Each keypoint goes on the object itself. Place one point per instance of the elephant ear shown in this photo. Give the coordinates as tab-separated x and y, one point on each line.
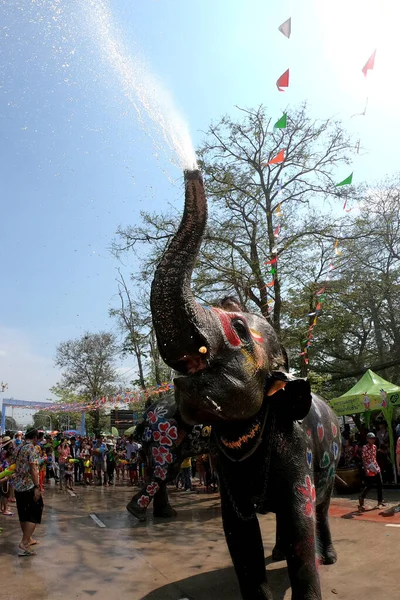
293	394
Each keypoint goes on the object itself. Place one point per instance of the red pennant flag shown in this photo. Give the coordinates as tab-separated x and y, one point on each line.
273	261
318	307
270	284
279	158
321	291
369	65
277	231
283	81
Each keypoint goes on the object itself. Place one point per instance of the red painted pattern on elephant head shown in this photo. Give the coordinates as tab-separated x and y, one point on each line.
231	336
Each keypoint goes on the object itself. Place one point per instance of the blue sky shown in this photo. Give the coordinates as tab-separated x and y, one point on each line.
76	162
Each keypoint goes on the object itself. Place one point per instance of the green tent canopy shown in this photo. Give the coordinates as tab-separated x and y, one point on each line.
370	393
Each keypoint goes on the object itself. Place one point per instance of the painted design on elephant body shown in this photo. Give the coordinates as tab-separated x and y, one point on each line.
320	431
334	429
152	488
160	473
335	448
231	335
325	460
308	490
154	415
309	456
166	433
162	455
143	501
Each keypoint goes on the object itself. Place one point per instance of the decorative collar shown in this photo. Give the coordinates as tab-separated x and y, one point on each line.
243	439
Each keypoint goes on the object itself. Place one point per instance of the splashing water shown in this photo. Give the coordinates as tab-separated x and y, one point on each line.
141	87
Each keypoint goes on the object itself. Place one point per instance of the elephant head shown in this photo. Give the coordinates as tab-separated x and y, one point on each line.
228	360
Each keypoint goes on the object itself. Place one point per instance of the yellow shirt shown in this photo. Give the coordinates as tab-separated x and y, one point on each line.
186	463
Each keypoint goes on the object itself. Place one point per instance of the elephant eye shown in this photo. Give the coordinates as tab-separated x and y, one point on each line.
241	330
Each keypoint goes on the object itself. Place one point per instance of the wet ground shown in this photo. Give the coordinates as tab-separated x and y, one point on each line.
110	555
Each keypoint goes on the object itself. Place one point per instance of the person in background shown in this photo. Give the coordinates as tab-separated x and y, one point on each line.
69	473
398	456
27	492
75	451
100	456
42	467
382	434
372	472
5	483
88	470
111	462
63	455
186	467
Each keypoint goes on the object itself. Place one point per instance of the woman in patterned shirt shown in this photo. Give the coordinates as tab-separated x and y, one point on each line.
372	471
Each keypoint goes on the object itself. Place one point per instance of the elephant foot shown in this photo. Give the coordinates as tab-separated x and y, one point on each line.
164	512
278	554
136	511
329	556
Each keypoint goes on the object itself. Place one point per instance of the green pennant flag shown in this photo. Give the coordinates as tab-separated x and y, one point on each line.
281	123
346	181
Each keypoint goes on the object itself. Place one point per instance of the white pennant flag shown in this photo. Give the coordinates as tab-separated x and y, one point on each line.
286	27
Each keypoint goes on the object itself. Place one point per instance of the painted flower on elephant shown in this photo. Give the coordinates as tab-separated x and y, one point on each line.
160	472
154	415
162	455
144	501
308	490
166	434
320	431
152	488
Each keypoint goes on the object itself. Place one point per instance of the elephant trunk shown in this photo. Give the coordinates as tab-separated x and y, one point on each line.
179	321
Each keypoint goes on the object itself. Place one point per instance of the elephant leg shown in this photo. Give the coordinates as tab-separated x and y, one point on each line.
161	506
299	541
246	549
278	553
326	549
139	503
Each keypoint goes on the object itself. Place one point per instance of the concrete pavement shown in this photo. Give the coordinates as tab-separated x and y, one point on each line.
182	558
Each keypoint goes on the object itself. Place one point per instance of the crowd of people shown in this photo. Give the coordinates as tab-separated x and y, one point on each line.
31	462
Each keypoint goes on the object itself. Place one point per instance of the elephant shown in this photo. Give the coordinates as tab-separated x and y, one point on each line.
166	441
277	443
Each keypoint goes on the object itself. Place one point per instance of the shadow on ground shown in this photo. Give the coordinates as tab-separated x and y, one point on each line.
219	585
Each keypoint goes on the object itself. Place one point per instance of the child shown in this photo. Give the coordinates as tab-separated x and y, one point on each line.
69	473
87	471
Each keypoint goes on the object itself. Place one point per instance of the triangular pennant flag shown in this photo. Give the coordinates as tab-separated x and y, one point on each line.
277	231
281	123
278	211
273	261
346	181
369	65
286	27
279	158
283	81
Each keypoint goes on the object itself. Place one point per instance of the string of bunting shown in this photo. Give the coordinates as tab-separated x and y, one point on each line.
320	294
282	84
128	397
278	159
